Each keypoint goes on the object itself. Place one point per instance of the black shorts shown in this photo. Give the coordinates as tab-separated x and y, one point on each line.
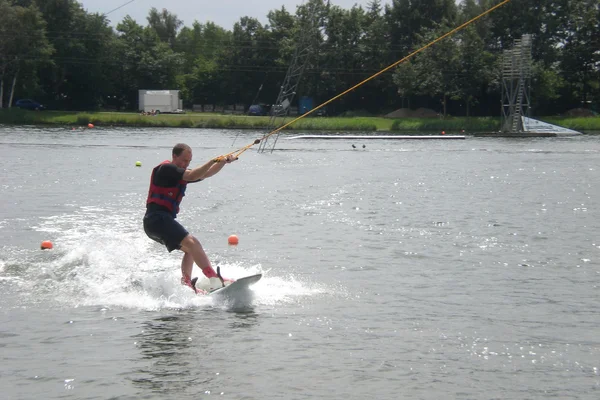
160	226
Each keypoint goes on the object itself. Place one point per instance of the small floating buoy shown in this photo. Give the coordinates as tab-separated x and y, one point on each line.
46	245
138	163
443	132
233	240
90	125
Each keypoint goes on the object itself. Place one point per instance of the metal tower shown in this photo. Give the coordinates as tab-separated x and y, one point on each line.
305	43
516	84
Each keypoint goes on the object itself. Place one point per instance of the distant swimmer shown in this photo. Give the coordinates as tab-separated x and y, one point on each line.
353	146
168	183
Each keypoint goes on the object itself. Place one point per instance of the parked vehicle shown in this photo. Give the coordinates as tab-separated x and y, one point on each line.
160	101
29	104
321	112
256	109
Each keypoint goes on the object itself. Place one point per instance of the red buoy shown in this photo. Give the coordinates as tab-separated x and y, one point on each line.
233	240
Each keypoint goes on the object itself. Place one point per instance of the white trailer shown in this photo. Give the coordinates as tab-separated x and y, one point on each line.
162	101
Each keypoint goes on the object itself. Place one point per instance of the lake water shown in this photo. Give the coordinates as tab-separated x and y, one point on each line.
457	269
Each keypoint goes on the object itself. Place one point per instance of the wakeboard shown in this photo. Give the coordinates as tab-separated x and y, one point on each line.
237	286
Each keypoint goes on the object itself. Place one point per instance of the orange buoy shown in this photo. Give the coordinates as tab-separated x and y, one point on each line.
90	126
233	239
46	245
443	132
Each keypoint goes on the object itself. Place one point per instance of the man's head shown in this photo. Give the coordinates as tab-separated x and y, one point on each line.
182	155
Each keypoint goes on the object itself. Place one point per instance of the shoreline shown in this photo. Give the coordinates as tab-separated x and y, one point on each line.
460	125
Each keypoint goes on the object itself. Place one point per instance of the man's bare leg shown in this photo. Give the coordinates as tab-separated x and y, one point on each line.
193	249
187	265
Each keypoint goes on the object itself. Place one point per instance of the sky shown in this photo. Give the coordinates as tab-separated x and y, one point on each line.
222	12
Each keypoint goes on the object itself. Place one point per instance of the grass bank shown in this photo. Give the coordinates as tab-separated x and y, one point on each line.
189	120
450	125
581	124
333	124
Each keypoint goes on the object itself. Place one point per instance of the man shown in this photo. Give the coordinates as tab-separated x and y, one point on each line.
167	187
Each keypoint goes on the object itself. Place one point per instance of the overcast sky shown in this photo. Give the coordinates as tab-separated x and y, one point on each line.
222	12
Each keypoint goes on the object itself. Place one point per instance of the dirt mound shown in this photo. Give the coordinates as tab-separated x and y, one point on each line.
408	113
580	112
399	113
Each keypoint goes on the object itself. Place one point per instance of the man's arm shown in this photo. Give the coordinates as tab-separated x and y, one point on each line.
207	170
216	167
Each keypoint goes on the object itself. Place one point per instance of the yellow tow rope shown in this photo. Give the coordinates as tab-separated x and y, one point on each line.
238	152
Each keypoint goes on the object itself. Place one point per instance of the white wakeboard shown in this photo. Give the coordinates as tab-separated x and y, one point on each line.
239	285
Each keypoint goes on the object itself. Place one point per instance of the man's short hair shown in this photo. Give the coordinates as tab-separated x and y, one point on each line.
179	148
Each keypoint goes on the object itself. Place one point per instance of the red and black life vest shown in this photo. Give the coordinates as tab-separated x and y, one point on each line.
168	197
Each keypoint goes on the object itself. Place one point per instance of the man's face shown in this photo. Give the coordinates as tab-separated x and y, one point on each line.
184	159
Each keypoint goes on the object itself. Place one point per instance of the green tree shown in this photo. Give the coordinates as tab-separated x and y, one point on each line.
565	47
375	50
311	19
436	69
407	79
580	55
547	86
165	24
9	28
31	44
475	68
207	41
340	58
249	56
77	78
72	59
203	48
408	19
283	30
25	48
281	41
145	62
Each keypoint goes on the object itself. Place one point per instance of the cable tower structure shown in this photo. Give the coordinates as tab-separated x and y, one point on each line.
305	42
516	84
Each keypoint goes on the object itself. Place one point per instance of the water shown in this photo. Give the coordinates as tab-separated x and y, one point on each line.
406	269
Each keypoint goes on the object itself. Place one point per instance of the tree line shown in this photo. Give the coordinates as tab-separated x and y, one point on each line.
59	54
